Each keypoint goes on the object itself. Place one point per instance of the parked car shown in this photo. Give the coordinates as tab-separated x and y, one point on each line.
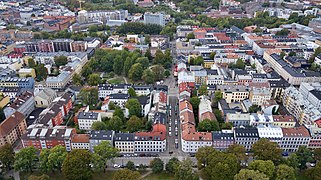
116	166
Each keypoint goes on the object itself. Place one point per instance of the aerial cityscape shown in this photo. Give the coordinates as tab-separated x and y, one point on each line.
160	89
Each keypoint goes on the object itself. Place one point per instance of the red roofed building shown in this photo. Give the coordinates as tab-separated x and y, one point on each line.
185	89
80	141
154	141
293	138
12	128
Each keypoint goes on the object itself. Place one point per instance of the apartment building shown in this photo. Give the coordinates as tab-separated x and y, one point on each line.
80	141
277	88
270	132
154	18
22	83
284	121
293	138
142	90
234	93
86	119
96	137
54	114
294	76
246	137
12	128
260	119
260	93
124	142
47	138
119	99
238	119
108	89
24	103
154	141
205	109
222	139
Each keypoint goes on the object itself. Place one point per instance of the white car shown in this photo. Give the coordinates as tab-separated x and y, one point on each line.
116	166
175	121
170	133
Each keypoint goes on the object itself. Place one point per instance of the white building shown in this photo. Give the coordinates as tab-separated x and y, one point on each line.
86	119
260	119
270	132
238	119
80	141
119	99
96	137
154	18
154	141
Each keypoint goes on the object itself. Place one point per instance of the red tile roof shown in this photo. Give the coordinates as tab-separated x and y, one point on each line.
283	118
207	115
185	105
80	138
300	131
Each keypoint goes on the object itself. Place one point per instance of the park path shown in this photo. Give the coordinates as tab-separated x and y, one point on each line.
146	174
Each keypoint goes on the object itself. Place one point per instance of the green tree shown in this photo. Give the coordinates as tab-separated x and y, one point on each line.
41	72
216	165
126	174
159	57
195	101
134	124
143	61
263	149
43	160
304	155
6	156
240	64
148	54
86	70
106	150
98	125
76	166
202	90
118	65
89	95
293	161
93	79
218	115
317	154
184	171
218	95
136	71
134	107
119	113
131	166
250	174
282	54
265	167
132	92
172	165
292	53
31	63
98	163
158	72
212	55
285	172
76	80
254	108
197	61
148	76
283	32
26	159
190	36
167	73
208	125
60	60
56	157
238	151
115	123
93	28
157	165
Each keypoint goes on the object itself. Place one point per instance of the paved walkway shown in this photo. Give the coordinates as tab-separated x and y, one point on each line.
146	174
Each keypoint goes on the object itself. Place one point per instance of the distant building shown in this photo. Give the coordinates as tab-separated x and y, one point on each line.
86	119
154	18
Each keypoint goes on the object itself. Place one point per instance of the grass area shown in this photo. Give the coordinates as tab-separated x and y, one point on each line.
301	176
161	176
116	80
58	176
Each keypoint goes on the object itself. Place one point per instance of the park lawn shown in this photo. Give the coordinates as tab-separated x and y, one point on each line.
116	80
161	176
59	176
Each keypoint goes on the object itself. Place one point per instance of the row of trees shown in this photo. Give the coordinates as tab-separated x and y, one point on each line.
139	28
78	164
40	69
268	163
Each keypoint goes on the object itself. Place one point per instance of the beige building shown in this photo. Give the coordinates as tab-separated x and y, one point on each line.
44	97
124	142
4	100
12	128
284	121
260	93
27	72
234	93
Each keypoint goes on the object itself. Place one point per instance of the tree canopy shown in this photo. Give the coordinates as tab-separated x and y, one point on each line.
264	149
76	166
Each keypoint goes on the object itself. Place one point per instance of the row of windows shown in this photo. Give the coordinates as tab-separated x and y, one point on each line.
149	150
148	142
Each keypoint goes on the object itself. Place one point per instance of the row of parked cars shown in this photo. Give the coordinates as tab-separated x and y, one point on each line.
138	155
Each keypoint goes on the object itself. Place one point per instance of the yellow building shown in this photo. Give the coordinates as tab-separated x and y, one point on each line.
4	101
208	63
27	72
